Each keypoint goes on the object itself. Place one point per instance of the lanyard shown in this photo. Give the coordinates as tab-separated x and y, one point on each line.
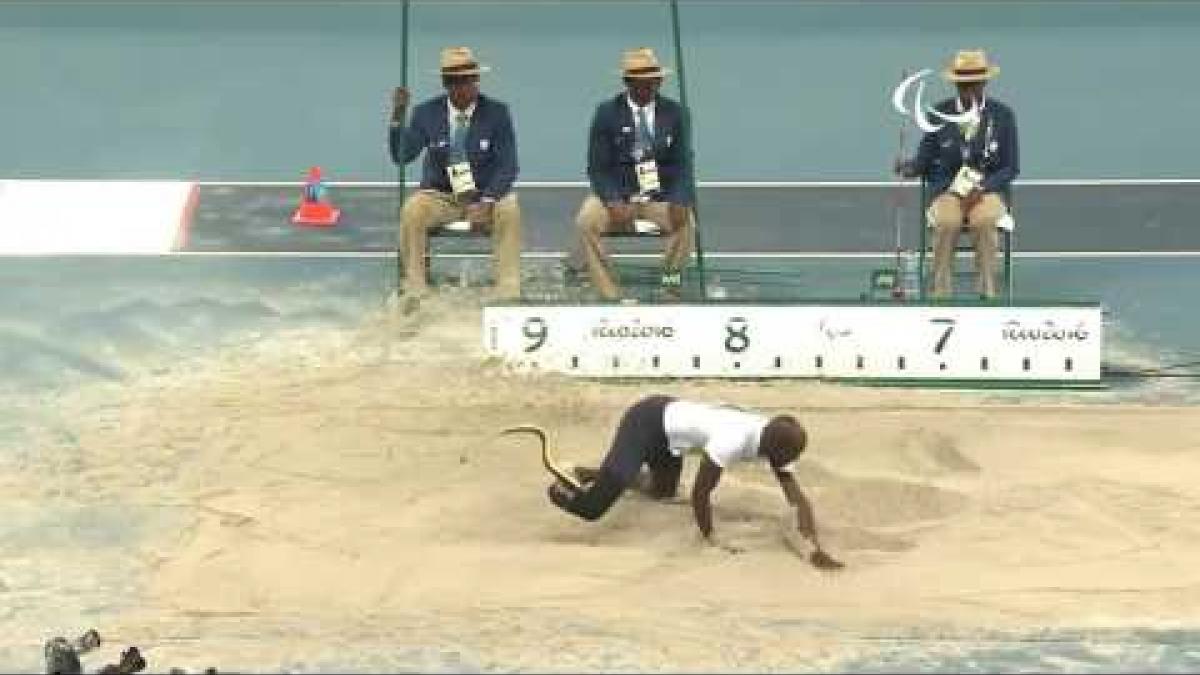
989	135
965	150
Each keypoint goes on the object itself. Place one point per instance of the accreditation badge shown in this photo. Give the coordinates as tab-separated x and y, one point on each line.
461	180
647	176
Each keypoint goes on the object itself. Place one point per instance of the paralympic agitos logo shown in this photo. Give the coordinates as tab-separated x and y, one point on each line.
920	112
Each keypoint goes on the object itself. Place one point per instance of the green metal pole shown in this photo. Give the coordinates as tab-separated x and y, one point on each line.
403	168
688	158
923	228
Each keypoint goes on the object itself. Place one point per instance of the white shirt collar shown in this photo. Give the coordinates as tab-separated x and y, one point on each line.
649	108
452	111
958	106
634	107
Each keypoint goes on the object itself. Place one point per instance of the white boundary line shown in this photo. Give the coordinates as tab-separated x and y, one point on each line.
1048	182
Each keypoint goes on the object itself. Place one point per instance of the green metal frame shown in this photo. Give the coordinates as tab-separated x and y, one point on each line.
926	248
402	170
689	158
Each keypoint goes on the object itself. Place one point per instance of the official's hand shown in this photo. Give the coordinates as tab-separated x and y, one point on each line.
971	200
479	214
400	97
823	561
904	168
620	215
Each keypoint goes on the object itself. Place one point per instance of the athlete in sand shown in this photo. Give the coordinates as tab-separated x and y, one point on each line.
657	431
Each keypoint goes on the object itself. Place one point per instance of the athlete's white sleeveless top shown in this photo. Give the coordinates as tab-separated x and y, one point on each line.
725	434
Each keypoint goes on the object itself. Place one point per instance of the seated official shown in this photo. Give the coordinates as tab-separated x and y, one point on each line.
969	168
470	166
636	165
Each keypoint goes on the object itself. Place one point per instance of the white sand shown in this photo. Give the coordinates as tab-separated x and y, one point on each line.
327	491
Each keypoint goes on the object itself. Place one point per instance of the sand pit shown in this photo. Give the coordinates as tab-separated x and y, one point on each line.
339	499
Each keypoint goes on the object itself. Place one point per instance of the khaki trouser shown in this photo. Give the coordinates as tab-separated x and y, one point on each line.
593	224
427	209
947	219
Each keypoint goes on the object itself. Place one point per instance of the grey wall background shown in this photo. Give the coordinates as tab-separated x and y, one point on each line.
780	90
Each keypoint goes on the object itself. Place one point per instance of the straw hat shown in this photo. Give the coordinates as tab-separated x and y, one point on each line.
641	63
970	65
460	61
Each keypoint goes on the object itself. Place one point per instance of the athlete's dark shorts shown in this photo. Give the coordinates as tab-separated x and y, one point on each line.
641	438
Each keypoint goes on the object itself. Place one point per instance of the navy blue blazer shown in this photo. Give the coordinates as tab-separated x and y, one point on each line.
491	145
610	162
993	150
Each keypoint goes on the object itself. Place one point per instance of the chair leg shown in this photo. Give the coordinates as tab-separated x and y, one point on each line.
1008	276
923	265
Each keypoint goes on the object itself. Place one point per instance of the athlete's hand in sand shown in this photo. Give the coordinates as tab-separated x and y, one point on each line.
810	550
823	561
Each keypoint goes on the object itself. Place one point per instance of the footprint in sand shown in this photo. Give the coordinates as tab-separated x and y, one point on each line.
934	453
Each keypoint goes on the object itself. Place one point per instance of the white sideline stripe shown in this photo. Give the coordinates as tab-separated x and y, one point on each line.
1054	182
44	217
723	256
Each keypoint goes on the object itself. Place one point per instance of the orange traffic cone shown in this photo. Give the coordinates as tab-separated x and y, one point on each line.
315	209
